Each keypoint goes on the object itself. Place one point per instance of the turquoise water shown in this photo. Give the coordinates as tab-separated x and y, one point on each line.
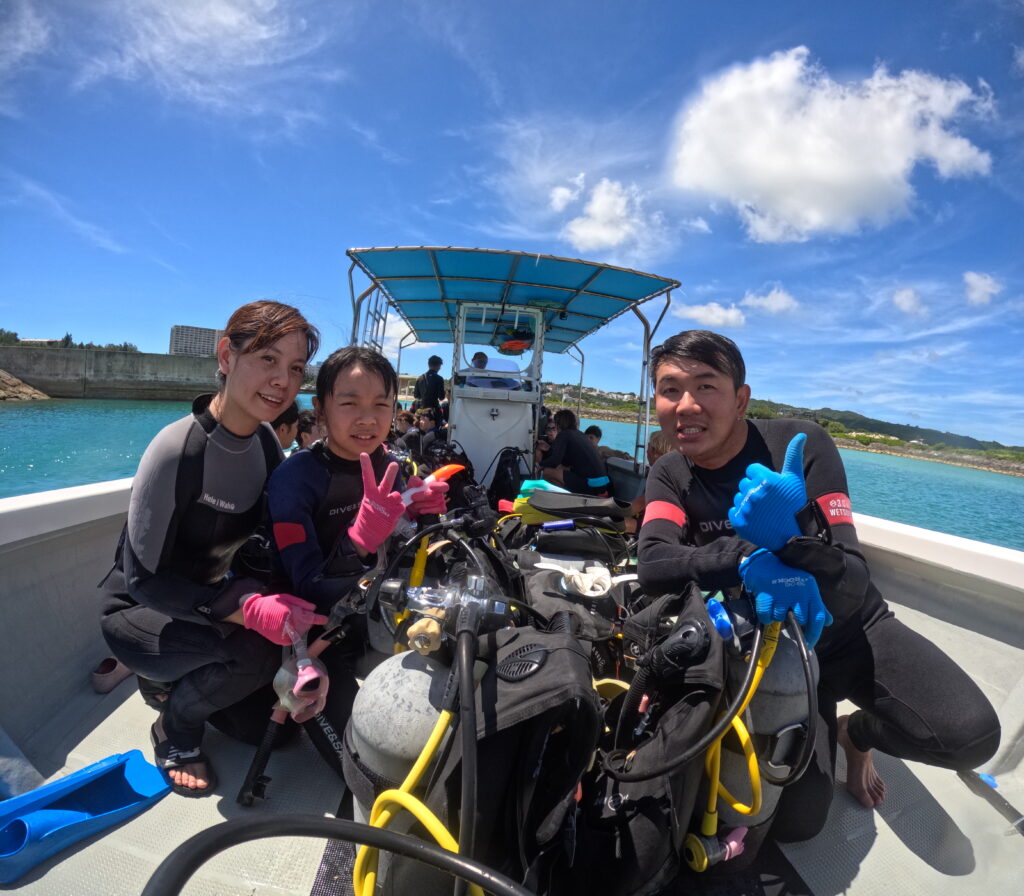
53	444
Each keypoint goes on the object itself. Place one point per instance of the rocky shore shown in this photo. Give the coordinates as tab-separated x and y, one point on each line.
13	389
991	464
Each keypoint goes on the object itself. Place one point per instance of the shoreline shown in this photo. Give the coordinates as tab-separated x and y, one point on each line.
950	458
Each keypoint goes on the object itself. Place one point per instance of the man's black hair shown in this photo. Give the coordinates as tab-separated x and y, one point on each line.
717	351
428	413
565	419
351	356
593	431
307	420
288	416
434	361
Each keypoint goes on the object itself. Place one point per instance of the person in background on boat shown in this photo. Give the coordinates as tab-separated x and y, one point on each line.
573	462
405	423
429	388
332	507
286	425
543	446
306	431
658	445
913	701
603	451
426	432
200	638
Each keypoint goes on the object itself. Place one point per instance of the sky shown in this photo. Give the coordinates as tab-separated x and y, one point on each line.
838	187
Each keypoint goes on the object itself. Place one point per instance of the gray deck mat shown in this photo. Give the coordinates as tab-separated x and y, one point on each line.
120	860
932	835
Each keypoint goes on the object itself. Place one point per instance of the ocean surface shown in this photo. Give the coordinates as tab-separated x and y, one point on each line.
54	444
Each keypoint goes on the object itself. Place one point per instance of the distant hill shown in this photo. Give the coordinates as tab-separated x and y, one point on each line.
760	407
859	423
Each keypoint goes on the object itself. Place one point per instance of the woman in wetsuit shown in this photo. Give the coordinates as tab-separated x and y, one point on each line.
200	637
573	461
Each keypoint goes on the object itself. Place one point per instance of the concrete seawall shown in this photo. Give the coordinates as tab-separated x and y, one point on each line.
95	373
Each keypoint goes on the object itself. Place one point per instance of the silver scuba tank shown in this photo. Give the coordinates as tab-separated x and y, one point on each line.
776	720
393	714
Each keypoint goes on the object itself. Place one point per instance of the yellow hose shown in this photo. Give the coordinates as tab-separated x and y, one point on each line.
713	757
364	871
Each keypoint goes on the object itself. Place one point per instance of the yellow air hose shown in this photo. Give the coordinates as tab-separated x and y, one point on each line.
387	805
713	757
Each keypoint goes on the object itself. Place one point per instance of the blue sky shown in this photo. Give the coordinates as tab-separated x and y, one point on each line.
839	187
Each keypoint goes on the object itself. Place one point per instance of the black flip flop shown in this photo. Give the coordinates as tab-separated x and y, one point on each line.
169	757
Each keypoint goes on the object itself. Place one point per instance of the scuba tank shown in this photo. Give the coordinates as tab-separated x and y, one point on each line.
776	720
763	741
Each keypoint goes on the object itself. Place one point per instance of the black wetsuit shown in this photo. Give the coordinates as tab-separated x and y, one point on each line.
584	473
417	442
915	703
197	497
314	497
429	390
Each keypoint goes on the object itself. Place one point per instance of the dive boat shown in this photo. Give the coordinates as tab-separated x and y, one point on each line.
935	832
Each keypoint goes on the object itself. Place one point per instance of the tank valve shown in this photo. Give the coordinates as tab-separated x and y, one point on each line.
701	852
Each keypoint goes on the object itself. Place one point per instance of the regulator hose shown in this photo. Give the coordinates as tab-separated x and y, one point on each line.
174	871
465	656
716	732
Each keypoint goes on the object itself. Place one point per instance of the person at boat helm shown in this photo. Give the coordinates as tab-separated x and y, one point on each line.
201	638
913	701
334	506
573	461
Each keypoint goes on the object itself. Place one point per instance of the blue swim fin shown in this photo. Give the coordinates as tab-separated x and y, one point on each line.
37	824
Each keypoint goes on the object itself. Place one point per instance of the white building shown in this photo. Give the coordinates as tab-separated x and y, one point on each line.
197	342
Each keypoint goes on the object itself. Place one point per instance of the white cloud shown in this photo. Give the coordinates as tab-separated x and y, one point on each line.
23	34
696	225
711	315
24	191
612	215
561	196
908	300
1018	61
250	57
798	154
777	301
980	288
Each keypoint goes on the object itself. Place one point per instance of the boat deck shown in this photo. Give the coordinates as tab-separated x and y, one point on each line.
931	835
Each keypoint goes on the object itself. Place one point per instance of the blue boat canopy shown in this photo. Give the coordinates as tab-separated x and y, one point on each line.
424	284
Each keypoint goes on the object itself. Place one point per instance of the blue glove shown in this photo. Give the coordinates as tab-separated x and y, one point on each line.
778	588
764	509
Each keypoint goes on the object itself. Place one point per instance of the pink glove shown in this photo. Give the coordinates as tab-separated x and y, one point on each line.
267	614
430	500
381	508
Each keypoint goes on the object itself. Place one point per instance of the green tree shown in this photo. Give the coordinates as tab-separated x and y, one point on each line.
67	342
8	337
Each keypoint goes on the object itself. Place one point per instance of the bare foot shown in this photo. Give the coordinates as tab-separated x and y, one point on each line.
192	776
861	778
